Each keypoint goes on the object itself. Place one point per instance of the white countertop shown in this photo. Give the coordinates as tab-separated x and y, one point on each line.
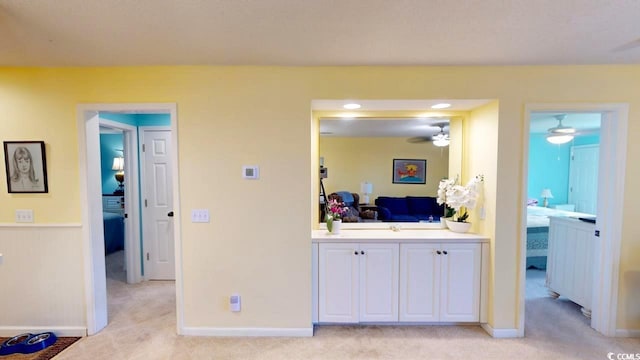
408	235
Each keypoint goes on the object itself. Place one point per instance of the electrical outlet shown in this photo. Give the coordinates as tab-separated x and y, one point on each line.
24	216
200	215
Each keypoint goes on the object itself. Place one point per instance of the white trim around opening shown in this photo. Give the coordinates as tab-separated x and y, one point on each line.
613	144
91	209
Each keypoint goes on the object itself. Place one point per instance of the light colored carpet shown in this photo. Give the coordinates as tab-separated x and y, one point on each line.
142	326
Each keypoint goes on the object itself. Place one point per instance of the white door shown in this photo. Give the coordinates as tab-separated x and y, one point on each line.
157	205
419	282
378	282
583	178
460	282
338	283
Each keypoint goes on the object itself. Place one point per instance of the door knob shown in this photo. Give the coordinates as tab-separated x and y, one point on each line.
170	214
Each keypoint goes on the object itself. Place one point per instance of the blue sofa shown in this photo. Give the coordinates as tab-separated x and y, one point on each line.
408	208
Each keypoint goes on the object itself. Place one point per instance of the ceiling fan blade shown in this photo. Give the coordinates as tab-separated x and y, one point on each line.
628	46
419	139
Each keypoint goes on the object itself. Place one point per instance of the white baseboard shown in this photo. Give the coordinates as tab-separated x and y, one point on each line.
627	333
10	331
500	333
247	332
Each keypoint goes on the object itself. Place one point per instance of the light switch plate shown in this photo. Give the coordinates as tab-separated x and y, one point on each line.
200	215
24	216
0	259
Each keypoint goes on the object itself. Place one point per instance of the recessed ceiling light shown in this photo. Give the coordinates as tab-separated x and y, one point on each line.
352	106
441	106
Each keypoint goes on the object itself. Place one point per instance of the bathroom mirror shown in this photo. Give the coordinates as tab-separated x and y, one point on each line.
358	155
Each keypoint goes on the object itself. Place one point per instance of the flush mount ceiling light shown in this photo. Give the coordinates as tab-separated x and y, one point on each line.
351	106
560	134
441	106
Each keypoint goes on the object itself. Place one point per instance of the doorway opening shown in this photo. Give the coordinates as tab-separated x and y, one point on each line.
564	196
90	118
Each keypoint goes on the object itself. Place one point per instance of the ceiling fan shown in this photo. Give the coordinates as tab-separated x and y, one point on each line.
439	139
560	134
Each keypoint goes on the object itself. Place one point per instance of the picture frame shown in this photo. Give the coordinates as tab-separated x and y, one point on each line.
409	171
26	167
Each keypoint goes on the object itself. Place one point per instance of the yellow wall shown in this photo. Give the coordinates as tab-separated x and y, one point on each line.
482	139
230	116
351	161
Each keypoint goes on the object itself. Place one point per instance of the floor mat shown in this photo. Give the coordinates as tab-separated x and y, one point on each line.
44	354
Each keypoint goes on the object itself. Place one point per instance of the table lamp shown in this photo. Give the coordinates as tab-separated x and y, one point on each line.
366	188
545	195
118	165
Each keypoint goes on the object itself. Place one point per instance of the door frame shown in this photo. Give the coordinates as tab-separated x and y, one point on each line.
612	168
91	206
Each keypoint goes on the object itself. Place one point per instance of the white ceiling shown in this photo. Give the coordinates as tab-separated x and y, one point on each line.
327	32
382	127
584	122
541	122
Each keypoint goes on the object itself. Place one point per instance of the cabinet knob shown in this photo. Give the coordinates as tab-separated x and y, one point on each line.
445	252
438	252
362	252
355	252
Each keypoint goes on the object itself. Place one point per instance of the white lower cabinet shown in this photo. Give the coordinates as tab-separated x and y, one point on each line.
358	282
399	282
440	282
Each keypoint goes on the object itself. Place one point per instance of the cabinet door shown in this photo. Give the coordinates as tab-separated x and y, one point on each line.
460	282
419	282
338	283
378	282
559	264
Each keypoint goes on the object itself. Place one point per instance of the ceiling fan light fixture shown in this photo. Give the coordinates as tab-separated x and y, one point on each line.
441	139
559	138
441	142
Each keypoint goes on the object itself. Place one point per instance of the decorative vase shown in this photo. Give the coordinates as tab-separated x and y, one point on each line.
443	221
335	227
459	227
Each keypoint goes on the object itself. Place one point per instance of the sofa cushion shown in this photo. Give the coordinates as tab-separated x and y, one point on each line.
395	205
403	218
423	205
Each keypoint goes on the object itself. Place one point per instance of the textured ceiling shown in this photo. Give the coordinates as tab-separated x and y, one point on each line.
327	32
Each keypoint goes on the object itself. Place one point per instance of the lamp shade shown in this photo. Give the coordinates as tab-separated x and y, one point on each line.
366	187
546	193
118	164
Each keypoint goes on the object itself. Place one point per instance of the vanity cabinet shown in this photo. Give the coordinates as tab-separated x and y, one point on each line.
440	282
358	282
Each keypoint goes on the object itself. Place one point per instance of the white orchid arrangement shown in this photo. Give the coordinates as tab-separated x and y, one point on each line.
457	198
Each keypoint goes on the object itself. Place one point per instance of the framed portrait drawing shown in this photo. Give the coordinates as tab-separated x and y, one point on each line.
409	171
26	167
